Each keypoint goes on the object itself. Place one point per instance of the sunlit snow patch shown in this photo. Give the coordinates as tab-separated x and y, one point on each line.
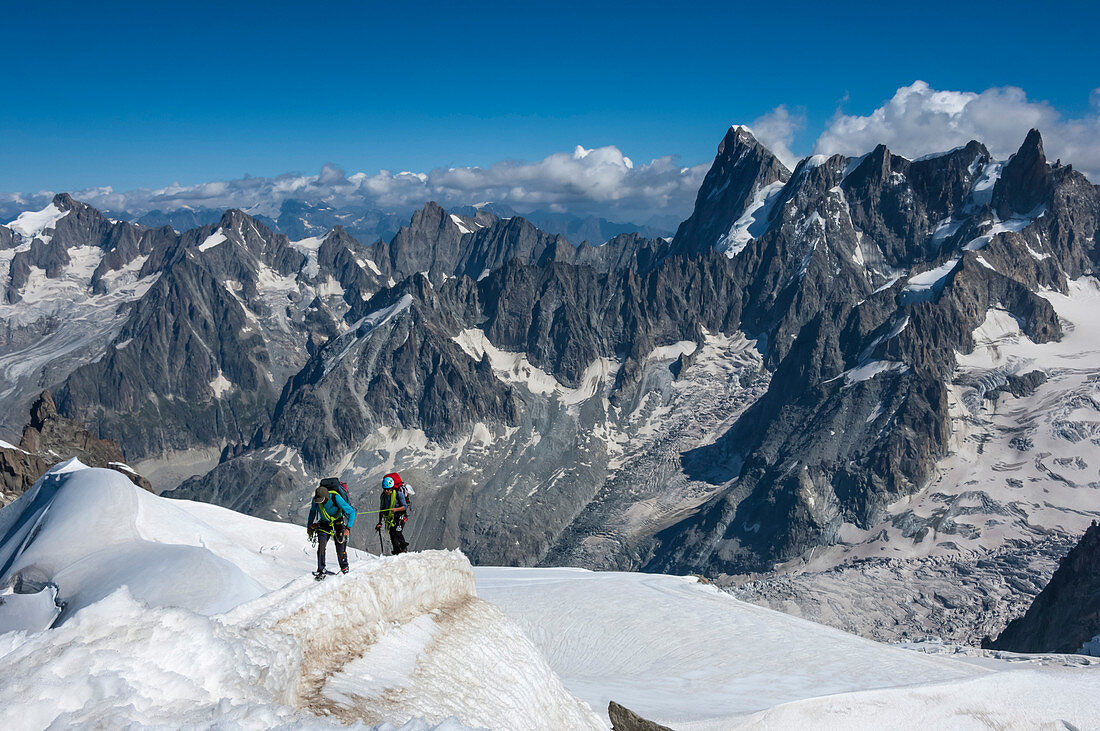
926	285
213	240
461	224
753	222
31	224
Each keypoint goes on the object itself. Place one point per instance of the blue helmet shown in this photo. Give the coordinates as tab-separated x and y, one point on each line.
387	483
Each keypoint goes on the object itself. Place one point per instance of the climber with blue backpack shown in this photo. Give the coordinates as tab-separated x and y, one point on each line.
330	516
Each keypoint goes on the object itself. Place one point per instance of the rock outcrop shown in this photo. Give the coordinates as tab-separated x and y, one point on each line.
624	719
1066	613
48	439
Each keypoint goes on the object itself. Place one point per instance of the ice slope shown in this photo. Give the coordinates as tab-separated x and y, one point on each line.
687	655
171	613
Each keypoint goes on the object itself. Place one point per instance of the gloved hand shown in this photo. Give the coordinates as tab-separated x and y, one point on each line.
347	532
378	527
309	532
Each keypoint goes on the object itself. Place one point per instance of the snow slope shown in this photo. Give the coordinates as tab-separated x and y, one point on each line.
692	657
124	608
178	613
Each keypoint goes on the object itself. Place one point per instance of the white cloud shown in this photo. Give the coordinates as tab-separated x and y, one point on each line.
919	120
600	181
776	130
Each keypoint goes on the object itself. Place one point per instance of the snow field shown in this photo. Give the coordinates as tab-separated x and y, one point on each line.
144	639
32	224
471	663
688	655
1026	699
186	614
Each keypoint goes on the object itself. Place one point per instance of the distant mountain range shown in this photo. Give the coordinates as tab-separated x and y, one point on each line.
300	219
774	393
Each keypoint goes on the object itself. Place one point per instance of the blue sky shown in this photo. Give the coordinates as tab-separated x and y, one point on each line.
141	95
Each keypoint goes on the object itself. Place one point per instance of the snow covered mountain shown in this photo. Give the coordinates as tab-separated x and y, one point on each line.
864	369
123	608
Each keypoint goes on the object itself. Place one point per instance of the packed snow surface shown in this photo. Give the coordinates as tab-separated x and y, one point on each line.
689	656
185	614
124	608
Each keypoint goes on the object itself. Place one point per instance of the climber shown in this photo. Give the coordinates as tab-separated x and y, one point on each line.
331	516
393	511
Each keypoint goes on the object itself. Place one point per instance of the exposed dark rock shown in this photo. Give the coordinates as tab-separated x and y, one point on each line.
49	433
157	393
624	719
1066	614
398	367
18	471
1025	182
49	439
1019	385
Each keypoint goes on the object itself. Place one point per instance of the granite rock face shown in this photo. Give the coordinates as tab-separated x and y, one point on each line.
48	439
873	274
624	719
1066	613
742	171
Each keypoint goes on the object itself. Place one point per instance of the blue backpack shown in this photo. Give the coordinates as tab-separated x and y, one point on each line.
333	484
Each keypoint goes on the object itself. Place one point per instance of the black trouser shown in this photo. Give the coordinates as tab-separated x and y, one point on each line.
397	538
341	547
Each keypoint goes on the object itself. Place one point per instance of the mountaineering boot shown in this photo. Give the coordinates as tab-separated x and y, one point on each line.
319	575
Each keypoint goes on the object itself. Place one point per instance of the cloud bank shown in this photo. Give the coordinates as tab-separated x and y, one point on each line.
600	181
919	120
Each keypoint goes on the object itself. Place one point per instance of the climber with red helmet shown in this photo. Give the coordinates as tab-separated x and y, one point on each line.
393	510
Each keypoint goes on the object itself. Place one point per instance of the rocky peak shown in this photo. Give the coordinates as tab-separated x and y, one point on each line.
41	411
1025	182
49	439
49	433
430	243
64	202
741	169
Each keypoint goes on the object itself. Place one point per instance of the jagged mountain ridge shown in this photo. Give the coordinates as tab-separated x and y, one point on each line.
219	393
823	303
857	415
301	219
858	280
